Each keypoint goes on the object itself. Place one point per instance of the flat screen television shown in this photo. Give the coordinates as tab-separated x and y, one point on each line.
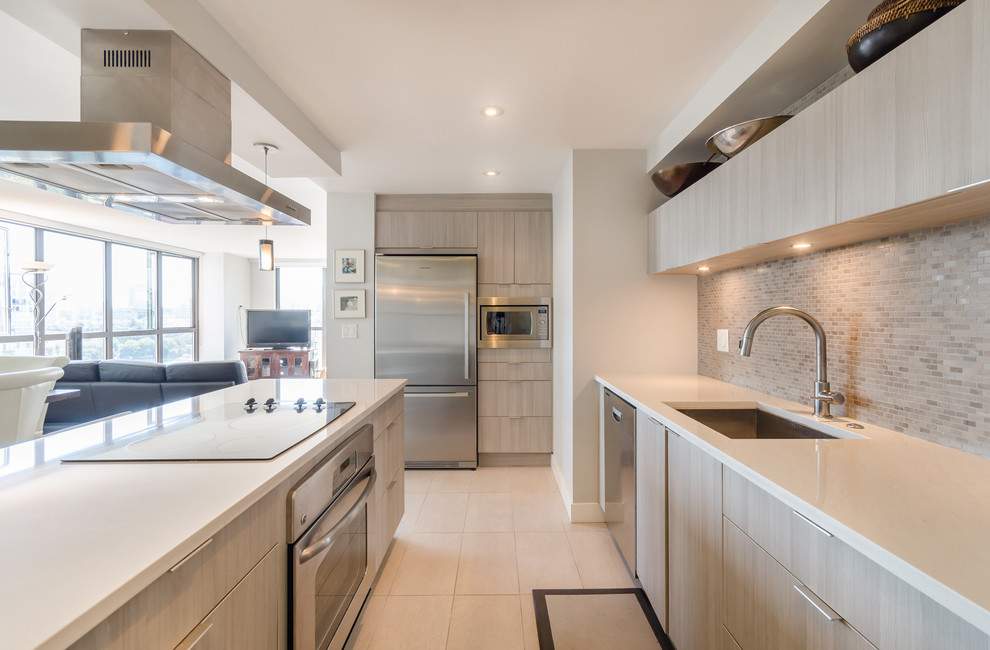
278	328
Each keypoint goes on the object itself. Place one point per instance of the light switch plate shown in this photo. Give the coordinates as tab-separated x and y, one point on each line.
723	340
348	331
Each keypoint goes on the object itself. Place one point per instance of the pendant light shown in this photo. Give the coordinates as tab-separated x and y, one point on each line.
266	248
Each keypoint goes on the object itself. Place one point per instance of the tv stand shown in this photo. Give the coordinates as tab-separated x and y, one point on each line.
278	363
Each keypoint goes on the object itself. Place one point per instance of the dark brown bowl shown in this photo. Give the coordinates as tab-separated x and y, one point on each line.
876	44
673	180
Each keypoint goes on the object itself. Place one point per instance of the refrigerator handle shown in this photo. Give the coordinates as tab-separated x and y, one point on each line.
467	335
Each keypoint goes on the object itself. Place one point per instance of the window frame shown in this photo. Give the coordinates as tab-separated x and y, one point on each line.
109	334
323	298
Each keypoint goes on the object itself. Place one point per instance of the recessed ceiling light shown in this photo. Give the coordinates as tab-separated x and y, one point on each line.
492	111
704	268
492	172
801	246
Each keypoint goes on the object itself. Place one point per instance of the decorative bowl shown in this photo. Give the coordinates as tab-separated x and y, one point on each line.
673	180
732	140
865	49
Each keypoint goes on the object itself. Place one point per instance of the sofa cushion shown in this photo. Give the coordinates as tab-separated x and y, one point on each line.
113	397
132	371
77	371
207	371
176	390
73	410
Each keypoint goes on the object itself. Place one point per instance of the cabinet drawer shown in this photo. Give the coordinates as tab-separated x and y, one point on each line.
882	607
501	435
515	371
389	455
515	355
389	513
164	612
393	408
247	617
766	608
515	398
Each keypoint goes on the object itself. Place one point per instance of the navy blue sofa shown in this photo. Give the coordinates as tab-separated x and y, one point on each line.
112	387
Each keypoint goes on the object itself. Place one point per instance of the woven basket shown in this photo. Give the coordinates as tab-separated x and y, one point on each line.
891	10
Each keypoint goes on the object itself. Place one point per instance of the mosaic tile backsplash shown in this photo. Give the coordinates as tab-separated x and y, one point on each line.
908	325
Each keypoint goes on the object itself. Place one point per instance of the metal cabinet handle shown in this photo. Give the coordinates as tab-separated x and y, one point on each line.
655	422
175	567
616	414
437	394
812	524
818	603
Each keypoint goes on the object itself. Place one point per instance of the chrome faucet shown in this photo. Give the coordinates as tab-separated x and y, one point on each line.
823	397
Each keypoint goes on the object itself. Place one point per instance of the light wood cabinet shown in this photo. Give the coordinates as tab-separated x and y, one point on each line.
163	613
914	124
883	608
515	248
247	617
767	608
515	398
651	512
426	230
694	538
515	401
389	495
782	186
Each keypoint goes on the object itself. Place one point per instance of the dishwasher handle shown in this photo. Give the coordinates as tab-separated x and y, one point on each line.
616	414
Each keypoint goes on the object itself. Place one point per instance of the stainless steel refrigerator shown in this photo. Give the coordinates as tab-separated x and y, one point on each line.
426	332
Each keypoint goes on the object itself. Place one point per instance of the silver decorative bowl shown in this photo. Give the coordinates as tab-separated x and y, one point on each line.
732	140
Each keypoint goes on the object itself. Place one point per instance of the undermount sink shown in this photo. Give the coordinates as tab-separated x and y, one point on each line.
753	423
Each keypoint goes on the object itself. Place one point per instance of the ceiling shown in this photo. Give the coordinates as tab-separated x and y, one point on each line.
398	86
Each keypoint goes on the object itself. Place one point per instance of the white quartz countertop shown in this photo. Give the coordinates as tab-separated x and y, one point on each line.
917	508
80	539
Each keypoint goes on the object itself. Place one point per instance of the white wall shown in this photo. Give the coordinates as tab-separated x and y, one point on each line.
563	330
351	225
623	321
224	287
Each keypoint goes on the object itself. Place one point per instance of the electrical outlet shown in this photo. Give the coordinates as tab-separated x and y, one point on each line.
348	331
723	340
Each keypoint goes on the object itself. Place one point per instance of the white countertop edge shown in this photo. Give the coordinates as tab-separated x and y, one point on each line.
926	584
293	458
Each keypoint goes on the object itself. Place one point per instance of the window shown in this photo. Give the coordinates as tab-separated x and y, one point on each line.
131	302
301	287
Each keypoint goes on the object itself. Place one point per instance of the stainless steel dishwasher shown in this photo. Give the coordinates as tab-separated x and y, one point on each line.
618	492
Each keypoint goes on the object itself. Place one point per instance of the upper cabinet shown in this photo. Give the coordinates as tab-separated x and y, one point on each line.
426	230
515	247
880	155
914	124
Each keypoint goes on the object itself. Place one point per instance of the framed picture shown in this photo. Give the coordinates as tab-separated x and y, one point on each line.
348	265
348	304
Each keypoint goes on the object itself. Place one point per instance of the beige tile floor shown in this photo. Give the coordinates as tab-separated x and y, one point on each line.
468	553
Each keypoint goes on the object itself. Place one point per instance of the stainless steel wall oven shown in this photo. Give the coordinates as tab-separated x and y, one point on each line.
328	513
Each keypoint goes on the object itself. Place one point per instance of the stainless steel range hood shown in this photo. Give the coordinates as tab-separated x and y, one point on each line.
146	96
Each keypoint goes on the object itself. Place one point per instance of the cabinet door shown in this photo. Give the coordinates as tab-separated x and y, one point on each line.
496	239
515	435
694	537
795	168
766	608
454	229
914	124
533	245
651	512
403	230
515	398
247	618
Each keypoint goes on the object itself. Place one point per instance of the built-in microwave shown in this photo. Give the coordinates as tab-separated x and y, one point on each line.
514	322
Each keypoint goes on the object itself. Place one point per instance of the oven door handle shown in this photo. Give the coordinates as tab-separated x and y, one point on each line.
323	540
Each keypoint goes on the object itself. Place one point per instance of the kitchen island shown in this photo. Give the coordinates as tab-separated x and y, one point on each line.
906	510
81	540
